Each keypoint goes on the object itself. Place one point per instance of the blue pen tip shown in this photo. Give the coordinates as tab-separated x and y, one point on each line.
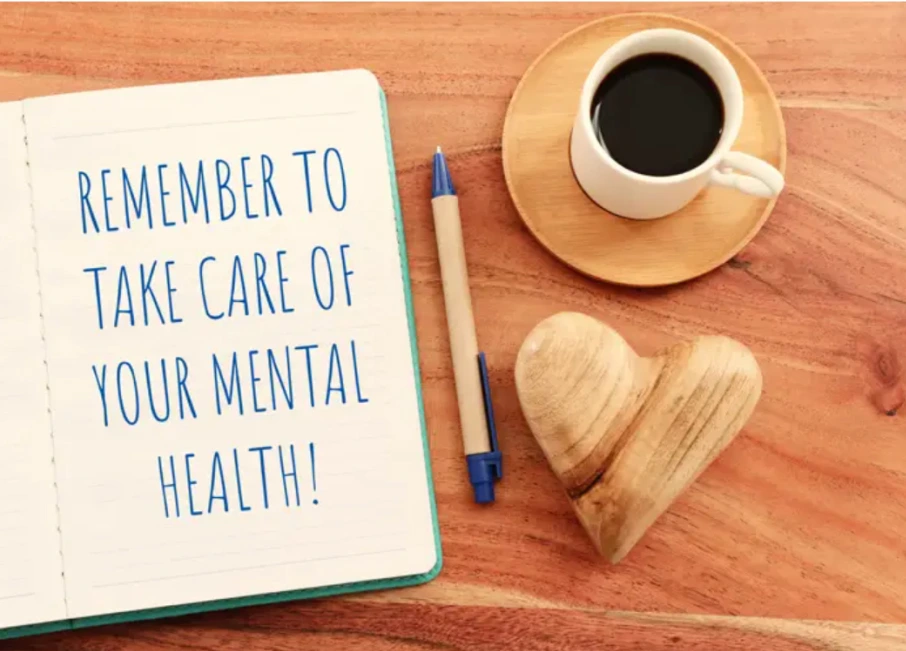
442	182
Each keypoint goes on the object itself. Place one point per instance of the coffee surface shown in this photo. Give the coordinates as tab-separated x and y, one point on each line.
658	114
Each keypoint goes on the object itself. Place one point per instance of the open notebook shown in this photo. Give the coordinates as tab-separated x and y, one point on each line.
210	382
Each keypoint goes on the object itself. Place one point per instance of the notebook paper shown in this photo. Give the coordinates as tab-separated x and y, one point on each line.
31	584
224	312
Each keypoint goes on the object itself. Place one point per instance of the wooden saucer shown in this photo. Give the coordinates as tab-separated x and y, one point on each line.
695	240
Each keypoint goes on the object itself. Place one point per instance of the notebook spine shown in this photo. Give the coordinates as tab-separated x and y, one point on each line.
31	205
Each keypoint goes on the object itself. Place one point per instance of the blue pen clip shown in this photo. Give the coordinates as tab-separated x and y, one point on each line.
485	468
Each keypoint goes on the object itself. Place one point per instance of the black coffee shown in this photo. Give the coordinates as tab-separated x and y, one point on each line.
658	114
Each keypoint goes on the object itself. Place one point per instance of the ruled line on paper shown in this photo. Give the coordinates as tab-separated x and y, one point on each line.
250	567
11	318
249	550
10	548
9	529
358	472
344	507
186	541
193	125
20	496
16	596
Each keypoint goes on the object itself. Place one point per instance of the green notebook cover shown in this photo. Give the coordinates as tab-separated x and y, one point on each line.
311	593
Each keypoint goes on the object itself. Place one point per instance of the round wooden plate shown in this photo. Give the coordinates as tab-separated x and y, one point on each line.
686	244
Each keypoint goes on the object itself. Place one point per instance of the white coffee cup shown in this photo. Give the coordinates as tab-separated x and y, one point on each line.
638	196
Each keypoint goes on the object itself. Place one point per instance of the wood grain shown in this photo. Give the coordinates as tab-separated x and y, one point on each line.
347	625
642	253
804	516
627	434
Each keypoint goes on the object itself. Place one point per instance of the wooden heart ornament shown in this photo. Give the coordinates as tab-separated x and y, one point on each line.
627	434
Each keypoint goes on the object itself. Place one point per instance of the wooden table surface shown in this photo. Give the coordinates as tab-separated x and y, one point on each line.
803	517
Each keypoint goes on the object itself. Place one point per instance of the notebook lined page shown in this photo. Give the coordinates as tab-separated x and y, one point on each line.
228	347
31	584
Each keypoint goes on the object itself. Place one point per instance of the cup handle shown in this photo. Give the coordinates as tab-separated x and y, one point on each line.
759	178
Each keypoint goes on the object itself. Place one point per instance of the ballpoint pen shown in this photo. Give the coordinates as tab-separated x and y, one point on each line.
470	371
